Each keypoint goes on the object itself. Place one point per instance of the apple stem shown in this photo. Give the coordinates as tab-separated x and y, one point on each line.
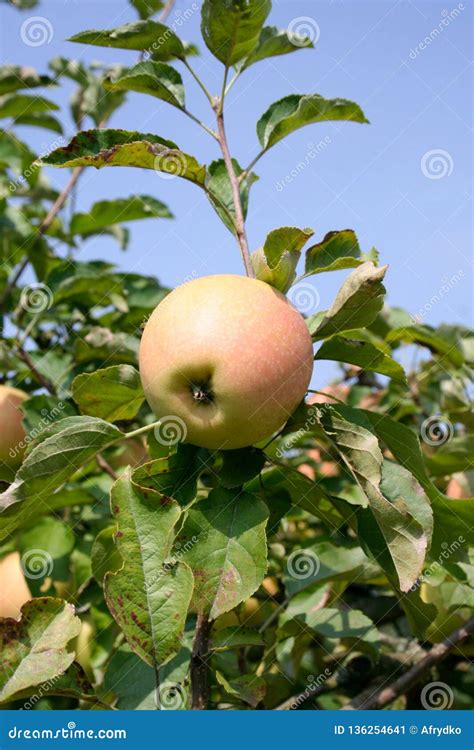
199	668
235	186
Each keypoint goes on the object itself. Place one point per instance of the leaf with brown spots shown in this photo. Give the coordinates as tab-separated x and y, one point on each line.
229	556
149	596
34	649
123	148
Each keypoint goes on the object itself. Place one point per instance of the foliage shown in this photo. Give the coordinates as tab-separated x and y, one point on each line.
346	540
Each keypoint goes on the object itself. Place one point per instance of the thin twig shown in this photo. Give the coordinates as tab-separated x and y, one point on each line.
45	382
386	695
199	668
234	182
166	11
105	466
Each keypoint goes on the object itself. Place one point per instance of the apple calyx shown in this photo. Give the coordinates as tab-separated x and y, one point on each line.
202	392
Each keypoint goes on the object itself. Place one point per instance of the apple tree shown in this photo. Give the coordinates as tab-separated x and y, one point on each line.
325	566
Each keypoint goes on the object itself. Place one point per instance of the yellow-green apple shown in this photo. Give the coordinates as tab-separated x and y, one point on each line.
228	358
14	591
12	434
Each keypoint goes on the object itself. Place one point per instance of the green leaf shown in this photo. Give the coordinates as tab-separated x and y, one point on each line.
104	213
429	337
235	637
352	626
158	39
276	262
150	77
357	303
337	250
177	475
34	648
48	122
105	557
219	190
229	559
146	8
455	455
13	105
123	148
231	29
362	354
249	688
131	680
273	42
285	240
20	515
65	446
453	519
15	77
149	596
403	539
106	347
114	393
322	562
240	466
297	110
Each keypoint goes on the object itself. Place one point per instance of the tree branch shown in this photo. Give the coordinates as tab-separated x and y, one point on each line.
199	669
386	695
235	186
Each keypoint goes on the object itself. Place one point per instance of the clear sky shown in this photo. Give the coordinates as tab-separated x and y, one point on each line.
403	183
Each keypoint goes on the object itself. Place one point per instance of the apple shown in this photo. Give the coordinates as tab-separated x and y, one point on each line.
12	434
228	358
14	591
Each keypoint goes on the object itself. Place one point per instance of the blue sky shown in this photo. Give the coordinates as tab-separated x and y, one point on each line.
403	183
